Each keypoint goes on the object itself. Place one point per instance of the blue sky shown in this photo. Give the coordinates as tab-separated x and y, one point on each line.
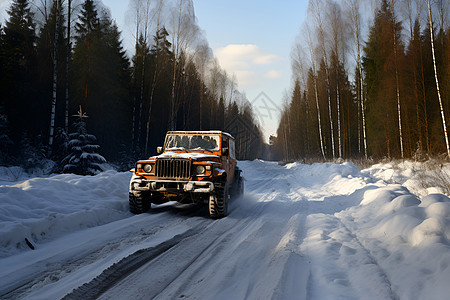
251	39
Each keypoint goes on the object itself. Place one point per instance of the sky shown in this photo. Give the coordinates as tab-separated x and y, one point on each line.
251	39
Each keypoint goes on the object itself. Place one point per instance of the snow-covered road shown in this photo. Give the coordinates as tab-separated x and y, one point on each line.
321	231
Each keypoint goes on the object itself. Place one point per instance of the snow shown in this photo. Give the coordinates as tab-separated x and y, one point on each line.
192	155
321	231
41	209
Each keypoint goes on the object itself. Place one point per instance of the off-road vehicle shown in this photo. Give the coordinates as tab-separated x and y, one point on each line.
192	167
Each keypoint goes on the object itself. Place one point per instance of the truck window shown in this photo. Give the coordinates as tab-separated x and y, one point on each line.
224	143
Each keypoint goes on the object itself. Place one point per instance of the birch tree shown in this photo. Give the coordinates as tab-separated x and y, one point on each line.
353	10
183	29
68	52
55	79
316	6
145	22
338	41
430	23
136	6
394	37
313	65
160	34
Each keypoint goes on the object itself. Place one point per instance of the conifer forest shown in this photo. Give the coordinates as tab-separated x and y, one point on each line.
370	80
68	84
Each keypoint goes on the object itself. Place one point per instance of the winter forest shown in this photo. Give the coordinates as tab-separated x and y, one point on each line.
71	96
370	80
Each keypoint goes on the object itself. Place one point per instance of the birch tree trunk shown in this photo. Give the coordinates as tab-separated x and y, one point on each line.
317	9
141	96
55	79
396	79
337	43
363	114
353	8
68	52
176	55
155	77
311	50
339	117
133	122
436	78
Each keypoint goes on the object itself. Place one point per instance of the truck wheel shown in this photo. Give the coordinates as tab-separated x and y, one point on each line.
240	186
218	202
138	205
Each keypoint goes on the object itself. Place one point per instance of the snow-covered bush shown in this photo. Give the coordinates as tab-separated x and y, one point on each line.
83	158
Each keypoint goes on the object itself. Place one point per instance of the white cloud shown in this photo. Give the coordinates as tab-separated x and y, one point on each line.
246	61
245	78
272	74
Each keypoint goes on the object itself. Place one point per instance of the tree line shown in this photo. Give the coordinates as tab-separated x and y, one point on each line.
370	79
62	56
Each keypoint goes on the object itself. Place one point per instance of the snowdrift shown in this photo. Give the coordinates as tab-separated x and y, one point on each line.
42	209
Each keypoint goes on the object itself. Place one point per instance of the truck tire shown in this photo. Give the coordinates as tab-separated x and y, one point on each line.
240	186
218	201
138	205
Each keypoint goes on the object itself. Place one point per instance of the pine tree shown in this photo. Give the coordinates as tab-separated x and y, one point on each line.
83	158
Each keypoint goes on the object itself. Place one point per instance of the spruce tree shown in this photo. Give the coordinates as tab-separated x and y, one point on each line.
83	158
380	81
19	69
102	79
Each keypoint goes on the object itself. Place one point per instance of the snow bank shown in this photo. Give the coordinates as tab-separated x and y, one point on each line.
408	237
44	208
421	178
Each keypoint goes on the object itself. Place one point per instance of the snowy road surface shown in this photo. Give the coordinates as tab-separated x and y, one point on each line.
322	231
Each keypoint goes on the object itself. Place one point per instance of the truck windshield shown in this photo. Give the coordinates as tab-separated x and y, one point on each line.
192	142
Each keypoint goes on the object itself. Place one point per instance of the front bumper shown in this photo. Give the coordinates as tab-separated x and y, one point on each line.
171	186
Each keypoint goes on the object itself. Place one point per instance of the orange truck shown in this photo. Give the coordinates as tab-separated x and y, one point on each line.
192	167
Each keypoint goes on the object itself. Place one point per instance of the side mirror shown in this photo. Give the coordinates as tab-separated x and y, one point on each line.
132	170
225	151
159	150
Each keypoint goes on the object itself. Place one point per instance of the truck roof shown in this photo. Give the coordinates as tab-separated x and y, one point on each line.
202	132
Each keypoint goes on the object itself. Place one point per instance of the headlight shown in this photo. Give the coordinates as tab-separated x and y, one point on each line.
138	166
200	169
148	168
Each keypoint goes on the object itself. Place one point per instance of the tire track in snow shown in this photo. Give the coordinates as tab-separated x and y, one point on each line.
253	253
89	247
382	272
164	270
340	262
127	265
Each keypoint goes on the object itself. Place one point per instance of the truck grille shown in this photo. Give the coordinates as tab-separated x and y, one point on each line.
173	168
